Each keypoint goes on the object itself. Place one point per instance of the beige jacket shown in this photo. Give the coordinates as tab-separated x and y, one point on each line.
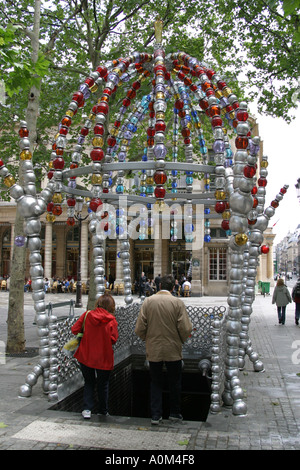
164	324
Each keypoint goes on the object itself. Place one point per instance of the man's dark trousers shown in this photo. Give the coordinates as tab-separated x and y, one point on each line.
174	374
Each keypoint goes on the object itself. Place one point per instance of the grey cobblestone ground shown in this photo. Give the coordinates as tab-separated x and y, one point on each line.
272	421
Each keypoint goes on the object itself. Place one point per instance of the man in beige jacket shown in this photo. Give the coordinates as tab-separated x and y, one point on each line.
164	325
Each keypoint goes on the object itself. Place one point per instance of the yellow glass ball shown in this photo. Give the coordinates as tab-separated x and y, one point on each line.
114	132
26	155
69	113
97	142
241	239
50	218
51	165
94	88
9	181
160	116
264	164
160	95
220	195
226	91
96	179
159	206
218	94
57	198
226	215
149	180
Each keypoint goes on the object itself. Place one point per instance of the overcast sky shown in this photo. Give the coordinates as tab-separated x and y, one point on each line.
281	143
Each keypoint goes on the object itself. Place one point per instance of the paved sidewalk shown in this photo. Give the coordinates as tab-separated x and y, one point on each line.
272	421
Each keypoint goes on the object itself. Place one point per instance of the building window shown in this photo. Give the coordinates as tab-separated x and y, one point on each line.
217	264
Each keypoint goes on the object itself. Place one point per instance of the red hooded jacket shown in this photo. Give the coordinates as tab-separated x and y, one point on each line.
100	333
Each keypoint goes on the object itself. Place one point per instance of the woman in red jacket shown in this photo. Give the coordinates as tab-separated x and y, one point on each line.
95	353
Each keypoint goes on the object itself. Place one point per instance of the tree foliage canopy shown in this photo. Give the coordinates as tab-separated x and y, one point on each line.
253	45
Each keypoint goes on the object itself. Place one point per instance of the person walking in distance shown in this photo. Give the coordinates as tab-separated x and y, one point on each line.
281	297
296	299
95	353
163	323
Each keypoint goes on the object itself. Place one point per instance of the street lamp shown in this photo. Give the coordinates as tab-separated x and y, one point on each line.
77	215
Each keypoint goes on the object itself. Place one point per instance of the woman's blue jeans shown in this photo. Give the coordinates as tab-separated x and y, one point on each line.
281	314
99	379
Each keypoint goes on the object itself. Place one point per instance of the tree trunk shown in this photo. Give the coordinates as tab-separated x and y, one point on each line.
15	319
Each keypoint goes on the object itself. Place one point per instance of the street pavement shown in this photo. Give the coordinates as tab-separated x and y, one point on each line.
272	421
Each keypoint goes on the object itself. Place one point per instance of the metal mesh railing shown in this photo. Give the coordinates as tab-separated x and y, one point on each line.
206	340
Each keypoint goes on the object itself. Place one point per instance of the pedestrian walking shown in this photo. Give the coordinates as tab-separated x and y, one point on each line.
143	281
281	297
157	282
163	323
95	353
296	299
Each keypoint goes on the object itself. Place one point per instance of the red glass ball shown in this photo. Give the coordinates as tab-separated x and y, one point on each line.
97	155
179	104
150	131
221	84
255	202
102	107
225	224
252	221
126	102
254	190
50	207
249	171
275	204
159	192
102	71
216	121
283	190
57	209
203	104
265	249
220	207
262	182
160	177
1	163
58	163
136	85
111	141
99	129
50	174
241	142
78	97
70	221
90	82
242	115
185	132
71	202
23	132
95	203
160	126
84	131
214	111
